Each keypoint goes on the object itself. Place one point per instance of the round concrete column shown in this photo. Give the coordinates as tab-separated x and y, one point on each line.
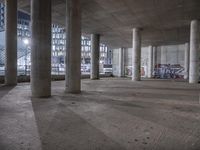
41	48
11	42
150	62
194	52
73	47
186	62
121	62
95	50
136	55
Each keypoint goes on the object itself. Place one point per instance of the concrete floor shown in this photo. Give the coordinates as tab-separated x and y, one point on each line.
110	114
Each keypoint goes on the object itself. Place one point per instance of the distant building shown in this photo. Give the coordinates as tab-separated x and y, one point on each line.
58	46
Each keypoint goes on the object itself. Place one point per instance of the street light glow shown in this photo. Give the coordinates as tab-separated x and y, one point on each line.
26	41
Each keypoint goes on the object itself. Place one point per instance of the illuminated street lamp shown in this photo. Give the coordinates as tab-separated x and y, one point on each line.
26	41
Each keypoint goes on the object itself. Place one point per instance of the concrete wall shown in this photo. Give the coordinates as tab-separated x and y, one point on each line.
170	54
115	61
173	54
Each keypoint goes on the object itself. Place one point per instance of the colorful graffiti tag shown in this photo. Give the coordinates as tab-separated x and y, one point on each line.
128	71
161	71
167	71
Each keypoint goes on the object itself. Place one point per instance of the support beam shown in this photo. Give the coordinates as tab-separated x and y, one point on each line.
95	50
121	62
186	61
136	55
41	48
194	52
11	42
150	62
73	47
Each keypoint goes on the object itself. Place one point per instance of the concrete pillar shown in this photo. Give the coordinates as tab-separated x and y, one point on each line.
136	55
95	50
194	52
41	48
186	62
121	62
154	57
150	62
11	42
73	47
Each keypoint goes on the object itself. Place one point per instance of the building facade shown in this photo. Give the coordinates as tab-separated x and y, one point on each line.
58	47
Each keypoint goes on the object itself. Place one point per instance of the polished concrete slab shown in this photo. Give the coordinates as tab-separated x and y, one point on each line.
110	114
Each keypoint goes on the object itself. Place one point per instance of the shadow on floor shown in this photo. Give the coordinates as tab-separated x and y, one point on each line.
4	89
61	129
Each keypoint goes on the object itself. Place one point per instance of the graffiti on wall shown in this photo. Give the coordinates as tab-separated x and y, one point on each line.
161	71
167	71
128	71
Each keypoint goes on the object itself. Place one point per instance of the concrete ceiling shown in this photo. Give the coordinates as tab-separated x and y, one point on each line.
162	21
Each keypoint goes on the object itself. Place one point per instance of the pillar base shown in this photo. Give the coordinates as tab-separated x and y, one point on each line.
72	92
11	84
94	78
135	80
49	96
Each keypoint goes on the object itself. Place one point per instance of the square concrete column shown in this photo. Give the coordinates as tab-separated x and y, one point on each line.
95	50
186	61
41	48
150	62
136	55
194	52
73	47
11	42
121	62
154	57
